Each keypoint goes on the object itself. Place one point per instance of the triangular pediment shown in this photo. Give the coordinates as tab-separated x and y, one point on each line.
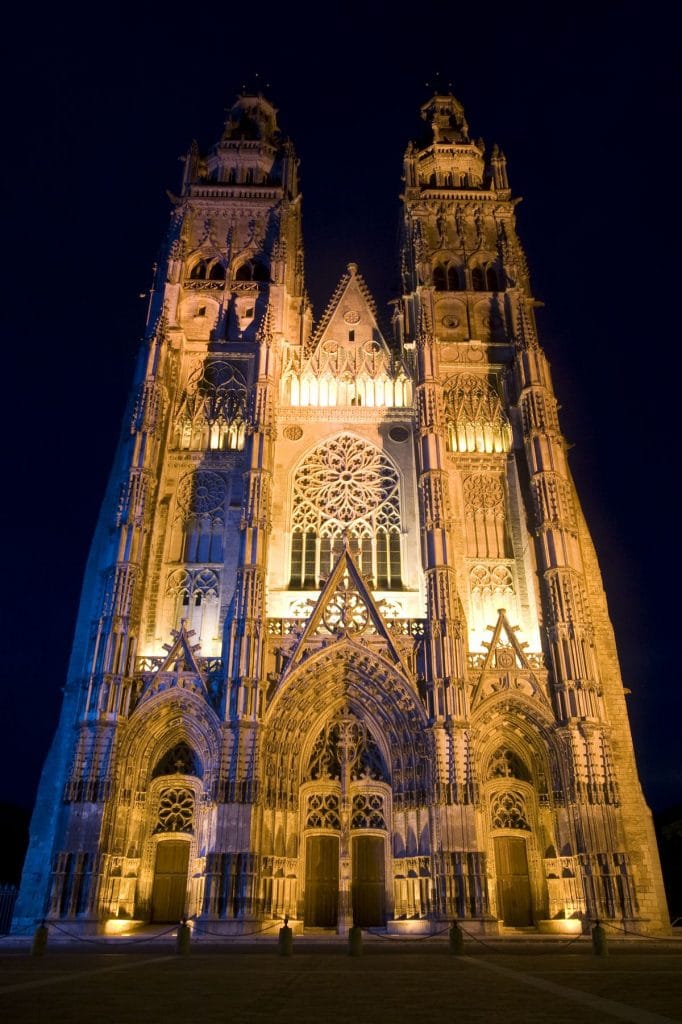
506	664
179	664
345	609
349	330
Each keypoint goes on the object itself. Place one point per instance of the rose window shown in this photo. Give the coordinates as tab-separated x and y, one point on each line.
349	488
176	811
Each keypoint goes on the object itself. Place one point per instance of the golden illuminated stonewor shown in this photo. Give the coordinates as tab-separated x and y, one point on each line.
343	652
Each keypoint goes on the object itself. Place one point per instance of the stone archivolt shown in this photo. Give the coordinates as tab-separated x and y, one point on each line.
295	688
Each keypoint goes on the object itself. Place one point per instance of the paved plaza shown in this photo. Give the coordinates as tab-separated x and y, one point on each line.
640	981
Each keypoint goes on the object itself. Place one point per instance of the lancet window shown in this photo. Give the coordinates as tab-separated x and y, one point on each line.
207	270
178	760
212	410
199	523
195	595
486	526
505	764
252	270
346	371
346	487
446	278
474	416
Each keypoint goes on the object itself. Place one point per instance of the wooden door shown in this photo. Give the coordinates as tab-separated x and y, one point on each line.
369	881
169	893
513	883
321	881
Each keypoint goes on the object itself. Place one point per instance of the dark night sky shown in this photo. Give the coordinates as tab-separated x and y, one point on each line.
96	116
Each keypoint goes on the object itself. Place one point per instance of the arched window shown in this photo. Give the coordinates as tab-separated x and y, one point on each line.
195	597
252	270
178	760
453	278
491	279
212	409
217	272
198	271
439	279
478	279
346	486
201	516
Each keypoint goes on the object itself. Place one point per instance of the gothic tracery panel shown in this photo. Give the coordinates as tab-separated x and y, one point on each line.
212	411
508	810
346	740
474	415
200	516
485	516
346	486
176	810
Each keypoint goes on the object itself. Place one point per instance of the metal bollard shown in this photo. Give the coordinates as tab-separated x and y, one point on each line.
39	940
600	946
456	939
355	941
285	940
184	937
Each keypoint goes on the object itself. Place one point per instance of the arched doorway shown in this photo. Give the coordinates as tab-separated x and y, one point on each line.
511	802
174	791
345	804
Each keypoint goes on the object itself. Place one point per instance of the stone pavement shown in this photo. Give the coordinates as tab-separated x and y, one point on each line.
241	982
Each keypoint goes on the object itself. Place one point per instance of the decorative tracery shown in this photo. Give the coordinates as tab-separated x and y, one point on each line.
474	415
368	811
180	760
508	810
212	411
200	510
346	486
323	811
176	810
505	764
346	738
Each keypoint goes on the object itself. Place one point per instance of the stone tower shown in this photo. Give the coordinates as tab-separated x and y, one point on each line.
343	651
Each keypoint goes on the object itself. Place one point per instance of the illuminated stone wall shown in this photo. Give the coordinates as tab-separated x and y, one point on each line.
343	651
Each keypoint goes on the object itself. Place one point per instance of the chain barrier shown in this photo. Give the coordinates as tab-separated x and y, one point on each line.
257	931
407	938
375	933
106	942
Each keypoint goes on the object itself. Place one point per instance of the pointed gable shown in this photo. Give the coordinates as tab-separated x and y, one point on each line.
506	665
179	668
347	362
345	608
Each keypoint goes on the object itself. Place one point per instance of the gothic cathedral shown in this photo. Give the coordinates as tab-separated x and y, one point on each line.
343	651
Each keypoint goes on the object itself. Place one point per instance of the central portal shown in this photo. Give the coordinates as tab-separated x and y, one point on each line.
321	881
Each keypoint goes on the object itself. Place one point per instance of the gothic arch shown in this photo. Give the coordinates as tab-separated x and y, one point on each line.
345	673
157	725
526	727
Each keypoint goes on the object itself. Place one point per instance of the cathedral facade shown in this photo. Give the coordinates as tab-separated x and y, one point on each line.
343	651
